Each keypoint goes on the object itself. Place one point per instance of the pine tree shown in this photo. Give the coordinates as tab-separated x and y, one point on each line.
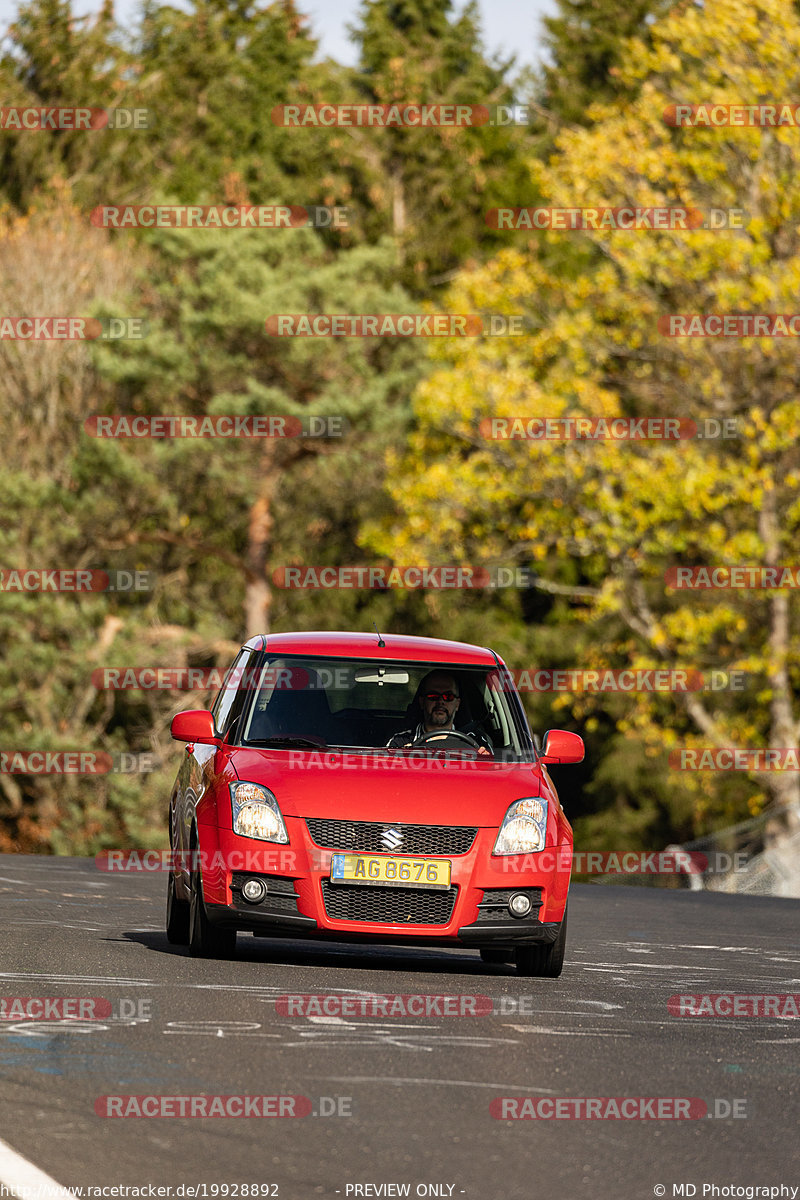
431	187
586	44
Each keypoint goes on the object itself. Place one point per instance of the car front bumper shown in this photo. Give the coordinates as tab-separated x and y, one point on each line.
300	894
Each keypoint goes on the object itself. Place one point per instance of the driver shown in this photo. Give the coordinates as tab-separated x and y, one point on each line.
439	698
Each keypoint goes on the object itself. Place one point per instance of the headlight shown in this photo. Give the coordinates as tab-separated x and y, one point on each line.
524	828
256	813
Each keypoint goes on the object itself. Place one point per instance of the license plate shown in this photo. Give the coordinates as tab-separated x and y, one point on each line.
397	872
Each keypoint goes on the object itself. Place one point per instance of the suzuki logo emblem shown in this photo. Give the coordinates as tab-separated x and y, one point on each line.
392	839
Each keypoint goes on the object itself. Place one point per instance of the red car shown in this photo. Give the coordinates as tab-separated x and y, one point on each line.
366	788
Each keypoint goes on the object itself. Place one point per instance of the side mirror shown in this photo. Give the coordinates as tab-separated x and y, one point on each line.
194	725
561	746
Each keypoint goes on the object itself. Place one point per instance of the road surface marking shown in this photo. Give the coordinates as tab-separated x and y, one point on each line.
520	1087
22	1177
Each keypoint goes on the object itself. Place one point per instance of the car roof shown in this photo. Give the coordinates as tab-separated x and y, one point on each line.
397	647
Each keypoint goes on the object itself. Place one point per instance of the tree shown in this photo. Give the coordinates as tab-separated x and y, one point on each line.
212	76
53	520
208	80
585	44
431	187
208	295
52	58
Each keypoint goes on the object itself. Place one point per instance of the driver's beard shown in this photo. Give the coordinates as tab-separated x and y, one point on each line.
434	722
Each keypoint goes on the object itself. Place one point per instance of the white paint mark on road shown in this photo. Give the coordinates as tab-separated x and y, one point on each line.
474	1083
22	1178
87	979
215	1028
646	966
543	1029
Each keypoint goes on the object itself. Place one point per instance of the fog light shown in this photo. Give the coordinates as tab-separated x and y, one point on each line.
519	905
255	890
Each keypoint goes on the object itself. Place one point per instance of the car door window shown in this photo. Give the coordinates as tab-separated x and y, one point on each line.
226	708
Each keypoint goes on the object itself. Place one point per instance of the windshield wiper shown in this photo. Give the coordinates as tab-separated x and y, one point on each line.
315	744
388	749
358	749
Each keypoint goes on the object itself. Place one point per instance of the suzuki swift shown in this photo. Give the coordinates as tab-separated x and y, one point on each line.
366	788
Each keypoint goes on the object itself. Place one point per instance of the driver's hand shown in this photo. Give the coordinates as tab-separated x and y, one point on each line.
485	752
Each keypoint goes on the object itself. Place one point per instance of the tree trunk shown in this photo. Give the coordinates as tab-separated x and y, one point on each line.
258	593
398	199
783	785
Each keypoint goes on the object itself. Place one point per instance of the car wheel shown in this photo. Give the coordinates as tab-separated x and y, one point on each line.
544	961
493	954
205	941
177	916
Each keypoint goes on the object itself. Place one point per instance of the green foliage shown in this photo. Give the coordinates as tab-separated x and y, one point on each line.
432	187
586	47
413	479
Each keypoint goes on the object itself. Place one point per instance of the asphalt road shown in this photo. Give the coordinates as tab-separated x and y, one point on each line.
411	1095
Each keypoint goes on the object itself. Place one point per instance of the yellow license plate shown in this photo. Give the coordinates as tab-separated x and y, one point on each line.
398	872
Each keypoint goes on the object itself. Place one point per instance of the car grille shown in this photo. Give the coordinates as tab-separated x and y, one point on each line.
366	836
494	905
388	905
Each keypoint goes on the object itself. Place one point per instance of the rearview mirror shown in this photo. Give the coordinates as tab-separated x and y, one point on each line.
561	746
381	676
194	725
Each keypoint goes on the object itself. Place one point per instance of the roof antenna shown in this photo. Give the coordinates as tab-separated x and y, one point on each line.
381	642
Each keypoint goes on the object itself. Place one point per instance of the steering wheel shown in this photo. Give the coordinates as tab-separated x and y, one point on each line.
447	737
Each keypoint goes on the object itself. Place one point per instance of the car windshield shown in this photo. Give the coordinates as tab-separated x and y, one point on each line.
362	705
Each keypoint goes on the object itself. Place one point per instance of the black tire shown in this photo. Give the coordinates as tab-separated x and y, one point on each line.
492	954
177	916
205	940
544	961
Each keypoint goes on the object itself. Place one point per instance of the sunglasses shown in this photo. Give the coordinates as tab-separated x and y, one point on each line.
448	697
